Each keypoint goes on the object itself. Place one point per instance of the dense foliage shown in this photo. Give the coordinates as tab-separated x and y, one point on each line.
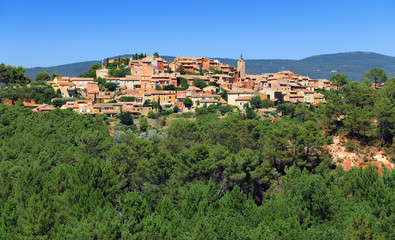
63	176
91	71
40	93
237	176
13	75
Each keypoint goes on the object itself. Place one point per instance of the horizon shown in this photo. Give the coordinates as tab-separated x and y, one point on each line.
47	33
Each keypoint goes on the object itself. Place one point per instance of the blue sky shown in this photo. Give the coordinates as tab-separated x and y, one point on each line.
48	33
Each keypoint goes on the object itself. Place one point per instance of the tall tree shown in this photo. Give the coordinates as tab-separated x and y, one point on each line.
43	76
13	75
143	124
256	102
199	83
188	102
338	80
54	75
376	75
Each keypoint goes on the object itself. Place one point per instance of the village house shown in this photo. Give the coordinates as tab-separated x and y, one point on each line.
324	83
210	90
241	101
141	67
235	94
82	106
319	98
128	82
166	97
164	79
198	98
293	97
44	108
102	73
92	89
104	97
135	110
208	102
110	108
308	96
81	83
181	95
67	89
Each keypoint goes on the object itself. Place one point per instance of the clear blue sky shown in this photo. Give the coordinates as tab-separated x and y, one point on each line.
48	33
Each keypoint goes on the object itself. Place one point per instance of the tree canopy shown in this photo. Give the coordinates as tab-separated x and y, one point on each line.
220	174
43	76
64	176
376	75
13	75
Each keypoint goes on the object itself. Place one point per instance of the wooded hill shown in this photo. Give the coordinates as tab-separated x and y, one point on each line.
353	64
215	177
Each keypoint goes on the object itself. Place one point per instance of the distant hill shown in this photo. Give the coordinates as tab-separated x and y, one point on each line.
353	64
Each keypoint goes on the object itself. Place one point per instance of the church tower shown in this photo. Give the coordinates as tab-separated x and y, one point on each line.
241	66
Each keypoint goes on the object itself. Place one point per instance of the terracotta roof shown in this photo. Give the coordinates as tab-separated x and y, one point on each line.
81	79
203	95
209	101
246	91
109	104
244	98
66	84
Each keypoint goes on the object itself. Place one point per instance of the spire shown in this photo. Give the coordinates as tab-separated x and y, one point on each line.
241	55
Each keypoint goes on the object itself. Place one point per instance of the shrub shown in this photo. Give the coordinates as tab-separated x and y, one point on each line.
350	146
125	118
127	99
151	114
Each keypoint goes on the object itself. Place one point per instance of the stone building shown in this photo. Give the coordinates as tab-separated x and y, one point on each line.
241	66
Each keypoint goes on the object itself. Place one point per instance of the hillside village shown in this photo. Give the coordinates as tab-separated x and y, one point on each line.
187	82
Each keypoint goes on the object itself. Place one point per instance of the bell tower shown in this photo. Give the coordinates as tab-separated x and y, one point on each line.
241	66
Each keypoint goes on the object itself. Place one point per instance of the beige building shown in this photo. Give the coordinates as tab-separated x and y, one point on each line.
200	99
102	73
235	94
81	83
240	101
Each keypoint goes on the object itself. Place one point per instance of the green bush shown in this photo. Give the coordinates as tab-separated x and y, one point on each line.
350	146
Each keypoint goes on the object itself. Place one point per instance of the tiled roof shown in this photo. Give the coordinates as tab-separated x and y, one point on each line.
244	98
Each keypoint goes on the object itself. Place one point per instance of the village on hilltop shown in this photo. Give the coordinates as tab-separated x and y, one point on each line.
185	83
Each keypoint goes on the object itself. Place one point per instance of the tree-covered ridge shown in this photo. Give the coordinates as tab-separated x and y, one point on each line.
63	176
